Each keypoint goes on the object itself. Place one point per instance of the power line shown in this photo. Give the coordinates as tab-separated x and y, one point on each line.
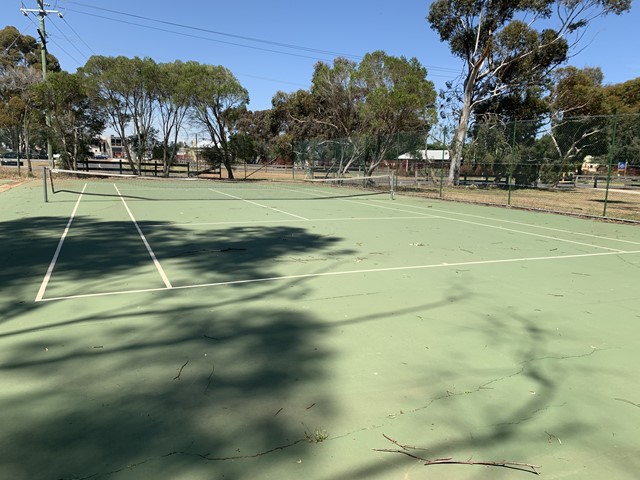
77	35
215	32
241	37
193	36
66	52
72	44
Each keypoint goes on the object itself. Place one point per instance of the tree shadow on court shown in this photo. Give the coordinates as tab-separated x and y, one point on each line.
517	404
179	390
102	256
202	385
188	383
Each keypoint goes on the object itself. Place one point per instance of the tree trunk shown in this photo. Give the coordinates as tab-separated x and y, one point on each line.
227	165
27	152
459	136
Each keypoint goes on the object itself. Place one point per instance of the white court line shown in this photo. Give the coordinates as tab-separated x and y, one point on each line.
166	281
348	272
497	227
47	275
542	227
504	229
430	215
259	204
259	222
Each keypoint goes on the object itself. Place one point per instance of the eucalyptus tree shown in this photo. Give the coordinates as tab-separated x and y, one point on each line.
122	86
18	50
337	97
397	98
75	119
18	114
362	108
624	100
171	92
217	100
21	67
294	115
578	110
501	49
255	133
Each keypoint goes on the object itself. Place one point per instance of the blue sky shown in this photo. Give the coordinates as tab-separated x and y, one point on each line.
319	30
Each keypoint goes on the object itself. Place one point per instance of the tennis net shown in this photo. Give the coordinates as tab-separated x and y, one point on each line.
62	183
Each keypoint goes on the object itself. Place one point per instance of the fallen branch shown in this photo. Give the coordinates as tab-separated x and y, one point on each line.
213	367
177	377
407	449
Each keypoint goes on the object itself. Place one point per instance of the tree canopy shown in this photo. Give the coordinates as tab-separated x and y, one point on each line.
359	109
502	53
23	51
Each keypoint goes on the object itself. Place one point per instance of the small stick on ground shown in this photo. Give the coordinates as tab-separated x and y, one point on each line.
407	449
177	377
213	368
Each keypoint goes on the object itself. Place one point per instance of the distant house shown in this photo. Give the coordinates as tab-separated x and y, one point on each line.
430	156
589	165
419	160
109	147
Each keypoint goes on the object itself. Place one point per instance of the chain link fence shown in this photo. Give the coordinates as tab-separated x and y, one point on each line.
587	166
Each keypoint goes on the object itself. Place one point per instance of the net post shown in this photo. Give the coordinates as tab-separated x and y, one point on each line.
392	191
44	184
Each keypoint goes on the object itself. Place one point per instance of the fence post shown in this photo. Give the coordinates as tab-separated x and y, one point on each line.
444	143
513	152
44	183
611	157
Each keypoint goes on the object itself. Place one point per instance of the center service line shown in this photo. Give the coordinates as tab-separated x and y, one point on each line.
166	281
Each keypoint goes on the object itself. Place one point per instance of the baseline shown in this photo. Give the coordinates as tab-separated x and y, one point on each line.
348	272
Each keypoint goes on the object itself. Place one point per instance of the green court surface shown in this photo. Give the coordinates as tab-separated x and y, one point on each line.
281	331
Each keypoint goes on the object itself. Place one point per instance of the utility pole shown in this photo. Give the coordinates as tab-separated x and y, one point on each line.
42	13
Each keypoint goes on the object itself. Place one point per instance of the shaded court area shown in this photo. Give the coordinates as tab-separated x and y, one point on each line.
282	331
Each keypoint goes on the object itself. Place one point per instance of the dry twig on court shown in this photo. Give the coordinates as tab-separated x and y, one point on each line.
406	450
177	377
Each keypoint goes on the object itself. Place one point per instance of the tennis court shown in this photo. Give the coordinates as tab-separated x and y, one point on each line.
276	330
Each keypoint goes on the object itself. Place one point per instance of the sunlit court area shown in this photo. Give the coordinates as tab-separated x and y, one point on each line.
210	329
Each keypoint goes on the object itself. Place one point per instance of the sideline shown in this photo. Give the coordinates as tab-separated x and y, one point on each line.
47	276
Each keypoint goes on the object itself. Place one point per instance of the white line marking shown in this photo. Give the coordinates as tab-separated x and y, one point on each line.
144	240
430	215
47	276
350	272
591	235
259	222
504	229
259	204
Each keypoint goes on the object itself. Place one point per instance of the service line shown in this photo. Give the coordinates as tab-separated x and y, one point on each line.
259	204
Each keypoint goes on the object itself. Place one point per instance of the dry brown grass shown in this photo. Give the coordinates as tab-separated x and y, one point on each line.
621	204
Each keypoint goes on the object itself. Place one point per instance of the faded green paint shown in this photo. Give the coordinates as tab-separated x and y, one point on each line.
532	360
